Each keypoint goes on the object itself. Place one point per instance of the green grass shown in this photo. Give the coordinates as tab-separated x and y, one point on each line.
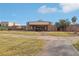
14	46
76	45
60	33
32	33
19	32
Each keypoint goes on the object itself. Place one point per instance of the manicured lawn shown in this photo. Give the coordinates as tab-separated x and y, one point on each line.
13	46
60	33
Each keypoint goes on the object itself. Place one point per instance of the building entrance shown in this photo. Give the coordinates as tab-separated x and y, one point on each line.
40	28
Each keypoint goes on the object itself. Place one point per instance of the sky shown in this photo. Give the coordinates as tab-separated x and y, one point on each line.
22	13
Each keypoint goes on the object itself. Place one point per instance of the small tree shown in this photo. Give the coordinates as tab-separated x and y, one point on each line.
74	18
62	24
57	25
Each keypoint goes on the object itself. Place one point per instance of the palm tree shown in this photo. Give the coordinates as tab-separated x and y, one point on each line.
74	18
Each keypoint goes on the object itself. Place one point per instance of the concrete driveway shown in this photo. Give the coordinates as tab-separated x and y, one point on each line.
59	46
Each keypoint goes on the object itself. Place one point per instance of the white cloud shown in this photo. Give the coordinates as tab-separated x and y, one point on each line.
44	9
65	7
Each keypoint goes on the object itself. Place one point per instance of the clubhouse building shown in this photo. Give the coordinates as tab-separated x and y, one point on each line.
40	26
36	26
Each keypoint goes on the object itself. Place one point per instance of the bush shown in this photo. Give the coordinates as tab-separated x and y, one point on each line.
3	28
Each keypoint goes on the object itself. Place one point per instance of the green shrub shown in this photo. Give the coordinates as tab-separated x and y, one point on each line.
3	28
